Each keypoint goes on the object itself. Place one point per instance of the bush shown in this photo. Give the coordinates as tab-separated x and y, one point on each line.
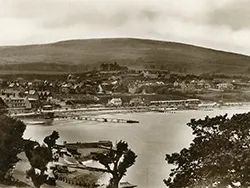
11	144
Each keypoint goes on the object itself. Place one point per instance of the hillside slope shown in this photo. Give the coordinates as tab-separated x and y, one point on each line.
80	55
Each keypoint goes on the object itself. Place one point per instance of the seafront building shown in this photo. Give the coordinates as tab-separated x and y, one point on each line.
17	102
177	103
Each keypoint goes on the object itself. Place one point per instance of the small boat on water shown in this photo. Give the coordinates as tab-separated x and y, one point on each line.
132	121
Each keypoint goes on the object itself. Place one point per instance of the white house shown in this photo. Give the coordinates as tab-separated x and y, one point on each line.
132	88
136	101
225	86
176	84
115	102
188	87
17	102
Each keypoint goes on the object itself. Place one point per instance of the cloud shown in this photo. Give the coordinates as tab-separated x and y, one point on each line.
235	15
218	24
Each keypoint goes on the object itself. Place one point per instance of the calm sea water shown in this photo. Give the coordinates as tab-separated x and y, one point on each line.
155	135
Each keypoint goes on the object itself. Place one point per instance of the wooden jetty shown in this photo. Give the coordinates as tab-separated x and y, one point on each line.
99	119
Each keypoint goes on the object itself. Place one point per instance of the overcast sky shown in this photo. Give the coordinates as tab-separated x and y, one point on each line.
219	24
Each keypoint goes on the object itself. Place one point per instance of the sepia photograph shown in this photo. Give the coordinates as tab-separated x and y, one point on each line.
124	94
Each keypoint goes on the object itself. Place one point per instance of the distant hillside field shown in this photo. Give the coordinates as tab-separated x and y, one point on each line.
82	55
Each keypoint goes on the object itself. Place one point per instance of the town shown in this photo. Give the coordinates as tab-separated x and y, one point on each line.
124	94
117	86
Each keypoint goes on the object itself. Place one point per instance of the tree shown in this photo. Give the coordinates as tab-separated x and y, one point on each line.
3	107
51	139
39	156
11	144
217	157
104	67
117	161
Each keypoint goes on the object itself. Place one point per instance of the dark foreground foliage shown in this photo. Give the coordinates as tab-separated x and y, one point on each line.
117	161
39	156
217	157
11	144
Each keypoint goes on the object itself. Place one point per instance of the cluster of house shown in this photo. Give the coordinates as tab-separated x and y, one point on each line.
23	96
136	101
131	87
19	101
92	86
194	86
141	85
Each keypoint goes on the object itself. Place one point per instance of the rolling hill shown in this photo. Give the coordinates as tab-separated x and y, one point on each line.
82	55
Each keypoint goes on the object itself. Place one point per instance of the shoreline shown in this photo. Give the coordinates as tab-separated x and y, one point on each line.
126	110
104	111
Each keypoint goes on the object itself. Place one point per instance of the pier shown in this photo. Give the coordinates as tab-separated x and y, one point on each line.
70	115
98	119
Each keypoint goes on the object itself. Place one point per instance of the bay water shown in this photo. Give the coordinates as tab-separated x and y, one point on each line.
156	135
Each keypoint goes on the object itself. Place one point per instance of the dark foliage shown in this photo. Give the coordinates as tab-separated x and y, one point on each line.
112	67
51	139
11	144
37	179
117	161
3	107
39	156
217	157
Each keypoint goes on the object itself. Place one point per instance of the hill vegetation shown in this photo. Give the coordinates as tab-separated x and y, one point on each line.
84	55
